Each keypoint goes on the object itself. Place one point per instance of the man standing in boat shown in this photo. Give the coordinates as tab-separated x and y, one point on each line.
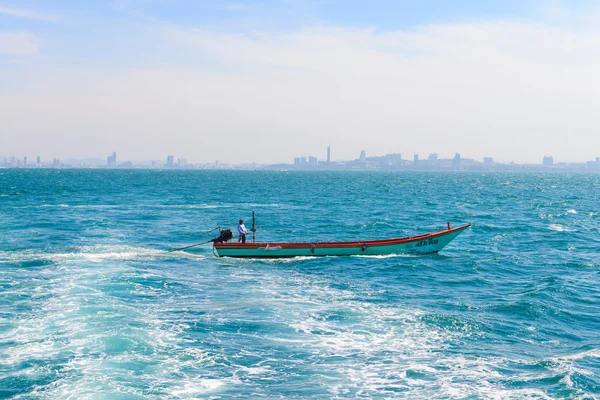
242	231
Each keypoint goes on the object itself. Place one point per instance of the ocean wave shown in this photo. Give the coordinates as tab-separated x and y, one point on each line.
90	310
560	228
94	254
98	343
385	349
101	207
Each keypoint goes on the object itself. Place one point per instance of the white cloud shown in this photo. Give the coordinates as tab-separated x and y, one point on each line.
27	14
18	44
510	90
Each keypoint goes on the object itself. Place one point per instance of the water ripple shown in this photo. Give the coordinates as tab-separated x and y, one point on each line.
92	306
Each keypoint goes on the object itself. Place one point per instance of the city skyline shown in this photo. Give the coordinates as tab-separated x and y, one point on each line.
389	161
268	80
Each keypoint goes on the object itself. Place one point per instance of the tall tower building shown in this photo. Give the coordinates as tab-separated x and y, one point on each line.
111	161
328	154
363	156
25	162
456	161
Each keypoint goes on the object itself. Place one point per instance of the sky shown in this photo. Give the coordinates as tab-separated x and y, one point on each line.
269	80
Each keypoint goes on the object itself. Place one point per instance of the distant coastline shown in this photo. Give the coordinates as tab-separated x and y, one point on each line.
389	162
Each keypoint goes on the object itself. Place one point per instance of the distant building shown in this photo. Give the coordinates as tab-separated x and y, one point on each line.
433	159
456	161
111	161
590	164
296	161
170	161
415	159
24	162
363	156
488	161
328	154
394	159
313	162
303	161
39	161
181	162
548	161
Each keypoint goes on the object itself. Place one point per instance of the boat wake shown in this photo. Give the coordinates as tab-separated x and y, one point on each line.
94	327
94	254
373	350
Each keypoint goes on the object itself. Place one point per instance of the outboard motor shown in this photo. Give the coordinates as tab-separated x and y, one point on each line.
225	236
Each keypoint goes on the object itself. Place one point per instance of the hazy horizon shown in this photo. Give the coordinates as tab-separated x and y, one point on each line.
267	81
98	160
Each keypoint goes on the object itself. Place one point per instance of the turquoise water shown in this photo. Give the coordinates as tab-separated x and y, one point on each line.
91	306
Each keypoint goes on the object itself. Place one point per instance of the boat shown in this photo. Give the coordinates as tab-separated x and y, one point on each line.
430	243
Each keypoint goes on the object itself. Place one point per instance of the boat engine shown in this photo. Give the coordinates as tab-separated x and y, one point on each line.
225	236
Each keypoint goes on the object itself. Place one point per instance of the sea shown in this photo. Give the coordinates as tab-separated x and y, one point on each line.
93	306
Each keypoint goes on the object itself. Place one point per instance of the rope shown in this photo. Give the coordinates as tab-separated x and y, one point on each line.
197	244
212	230
187	247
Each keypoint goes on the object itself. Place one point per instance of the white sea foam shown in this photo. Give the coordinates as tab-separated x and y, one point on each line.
98	254
594	353
559	228
381	256
200	386
120	348
376	349
96	341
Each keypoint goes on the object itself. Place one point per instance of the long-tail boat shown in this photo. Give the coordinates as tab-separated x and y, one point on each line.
423	244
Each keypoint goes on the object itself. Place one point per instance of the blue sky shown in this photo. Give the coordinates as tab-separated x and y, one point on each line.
472	76
111	33
91	28
384	14
74	16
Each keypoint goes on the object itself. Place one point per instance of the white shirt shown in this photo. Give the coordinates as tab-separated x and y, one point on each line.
242	229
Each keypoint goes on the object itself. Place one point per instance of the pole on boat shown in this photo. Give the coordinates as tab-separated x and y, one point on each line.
253	227
448	225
